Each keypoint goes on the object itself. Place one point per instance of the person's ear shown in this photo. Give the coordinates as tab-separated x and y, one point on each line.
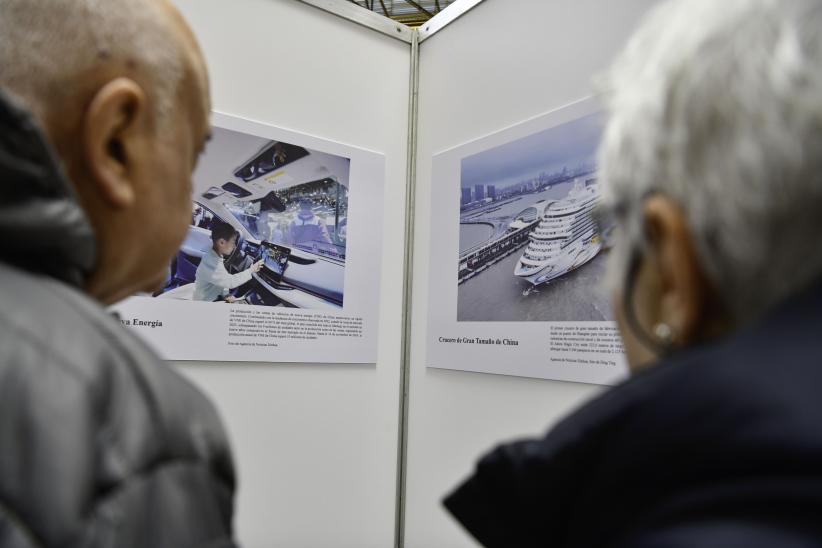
114	125
683	291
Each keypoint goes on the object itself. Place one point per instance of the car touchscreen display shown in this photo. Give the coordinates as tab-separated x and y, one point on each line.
275	258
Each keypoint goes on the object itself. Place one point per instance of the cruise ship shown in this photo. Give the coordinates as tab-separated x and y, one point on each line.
566	237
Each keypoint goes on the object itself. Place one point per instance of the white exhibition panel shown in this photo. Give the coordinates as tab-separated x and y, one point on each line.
505	325
315	445
491	69
317	328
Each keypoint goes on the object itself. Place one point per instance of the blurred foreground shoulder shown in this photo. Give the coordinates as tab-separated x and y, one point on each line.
111	447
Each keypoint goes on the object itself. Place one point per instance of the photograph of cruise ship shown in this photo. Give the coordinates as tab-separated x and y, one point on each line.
565	238
528	247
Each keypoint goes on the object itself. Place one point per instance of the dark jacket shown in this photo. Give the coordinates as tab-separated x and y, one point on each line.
101	444
719	446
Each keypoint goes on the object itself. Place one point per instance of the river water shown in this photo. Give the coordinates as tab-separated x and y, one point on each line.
496	295
474	234
509	209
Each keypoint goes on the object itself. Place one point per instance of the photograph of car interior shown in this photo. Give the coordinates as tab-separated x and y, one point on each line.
289	207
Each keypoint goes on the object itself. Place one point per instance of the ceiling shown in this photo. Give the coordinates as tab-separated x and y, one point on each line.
409	12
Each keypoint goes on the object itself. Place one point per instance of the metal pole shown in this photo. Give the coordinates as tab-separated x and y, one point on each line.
411	185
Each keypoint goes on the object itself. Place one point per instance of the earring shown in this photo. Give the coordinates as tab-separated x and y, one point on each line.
664	333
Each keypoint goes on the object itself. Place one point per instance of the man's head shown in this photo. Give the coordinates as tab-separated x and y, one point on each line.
711	157
223	238
120	87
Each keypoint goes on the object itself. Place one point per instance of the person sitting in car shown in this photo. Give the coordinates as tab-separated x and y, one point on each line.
212	281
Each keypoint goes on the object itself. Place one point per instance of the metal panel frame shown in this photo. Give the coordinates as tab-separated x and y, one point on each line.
366	18
384	25
413	37
410	208
447	16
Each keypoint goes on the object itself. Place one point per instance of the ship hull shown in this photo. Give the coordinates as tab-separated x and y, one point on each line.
554	268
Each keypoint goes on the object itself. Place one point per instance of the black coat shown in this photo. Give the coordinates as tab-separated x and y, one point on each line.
719	446
101	444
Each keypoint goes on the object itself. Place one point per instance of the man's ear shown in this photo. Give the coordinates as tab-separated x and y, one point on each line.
112	130
684	289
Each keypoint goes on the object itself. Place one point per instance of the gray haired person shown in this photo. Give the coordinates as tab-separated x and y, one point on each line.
104	108
711	166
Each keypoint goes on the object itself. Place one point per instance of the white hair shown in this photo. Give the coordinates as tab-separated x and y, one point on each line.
718	105
47	45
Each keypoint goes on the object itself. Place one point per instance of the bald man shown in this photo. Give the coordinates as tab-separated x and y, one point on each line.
103	112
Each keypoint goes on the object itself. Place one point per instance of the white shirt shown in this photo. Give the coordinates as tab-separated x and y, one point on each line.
212	280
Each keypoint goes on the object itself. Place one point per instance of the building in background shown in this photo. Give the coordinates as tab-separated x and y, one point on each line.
466	196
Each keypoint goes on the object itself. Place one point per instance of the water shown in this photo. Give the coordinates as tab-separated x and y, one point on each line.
472	235
496	295
510	209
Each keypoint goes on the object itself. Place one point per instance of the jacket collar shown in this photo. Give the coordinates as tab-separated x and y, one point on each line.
44	230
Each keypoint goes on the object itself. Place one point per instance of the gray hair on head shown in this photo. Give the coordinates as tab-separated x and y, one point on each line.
718	105
47	45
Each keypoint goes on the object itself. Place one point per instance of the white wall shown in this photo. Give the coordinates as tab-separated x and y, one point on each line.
315	445
494	67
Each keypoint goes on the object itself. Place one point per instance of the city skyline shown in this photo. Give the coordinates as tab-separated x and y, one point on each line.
570	145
